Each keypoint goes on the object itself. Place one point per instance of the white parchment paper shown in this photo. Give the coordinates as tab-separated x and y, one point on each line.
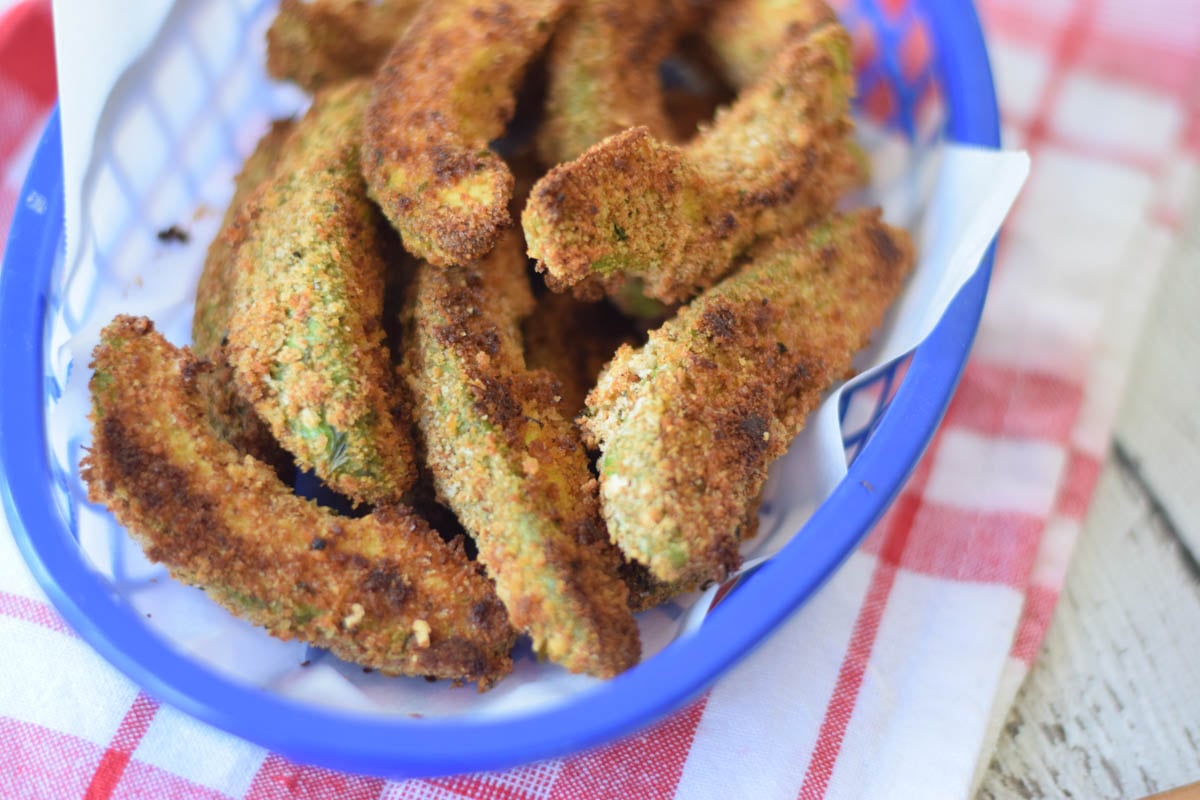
160	102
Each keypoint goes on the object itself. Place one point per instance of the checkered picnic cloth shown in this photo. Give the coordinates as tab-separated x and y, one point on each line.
892	680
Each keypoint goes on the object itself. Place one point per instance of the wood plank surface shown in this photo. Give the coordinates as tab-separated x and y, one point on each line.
1159	425
1111	708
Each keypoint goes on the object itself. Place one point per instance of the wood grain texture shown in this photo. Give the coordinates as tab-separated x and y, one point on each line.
1111	708
1159	425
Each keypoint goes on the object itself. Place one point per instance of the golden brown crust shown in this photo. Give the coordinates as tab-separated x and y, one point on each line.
321	42
510	464
645	590
233	417
688	424
678	217
744	35
306	335
445	91
383	590
603	67
214	291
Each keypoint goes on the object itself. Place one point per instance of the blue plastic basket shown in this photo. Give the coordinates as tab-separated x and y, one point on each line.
909	402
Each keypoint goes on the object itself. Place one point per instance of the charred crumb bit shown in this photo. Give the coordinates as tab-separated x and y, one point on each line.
763	317
318	543
885	245
356	560
719	323
306	662
368	670
800	373
726	226
487	613
433	679
489	341
174	234
386	580
754	426
494	398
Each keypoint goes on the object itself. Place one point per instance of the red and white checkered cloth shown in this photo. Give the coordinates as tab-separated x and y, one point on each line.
891	681
27	93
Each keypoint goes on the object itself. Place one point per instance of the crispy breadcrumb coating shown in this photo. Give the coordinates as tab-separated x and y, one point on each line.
322	42
508	461
573	341
744	35
678	217
306	335
231	415
445	91
603	73
234	419
214	291
383	591
688	424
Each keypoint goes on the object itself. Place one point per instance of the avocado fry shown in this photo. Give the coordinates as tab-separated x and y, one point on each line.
678	217
322	42
603	73
306	338
445	91
231	415
214	291
508	461
744	35
688	424
383	590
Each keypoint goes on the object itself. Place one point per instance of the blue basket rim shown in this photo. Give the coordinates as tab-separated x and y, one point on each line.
400	747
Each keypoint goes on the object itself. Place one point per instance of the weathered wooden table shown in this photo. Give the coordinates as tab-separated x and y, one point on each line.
1111	708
